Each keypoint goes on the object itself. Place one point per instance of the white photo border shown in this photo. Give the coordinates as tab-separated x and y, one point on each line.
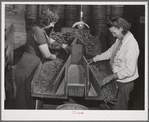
89	115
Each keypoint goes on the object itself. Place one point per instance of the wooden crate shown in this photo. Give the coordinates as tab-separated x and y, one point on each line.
19	28
19	39
59	85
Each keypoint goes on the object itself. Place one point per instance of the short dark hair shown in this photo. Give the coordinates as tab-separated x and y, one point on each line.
47	16
119	22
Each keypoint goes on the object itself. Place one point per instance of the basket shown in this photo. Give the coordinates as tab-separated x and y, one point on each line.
71	107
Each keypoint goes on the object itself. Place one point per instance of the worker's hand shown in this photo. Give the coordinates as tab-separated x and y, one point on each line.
52	57
109	78
90	61
64	46
51	41
68	48
106	80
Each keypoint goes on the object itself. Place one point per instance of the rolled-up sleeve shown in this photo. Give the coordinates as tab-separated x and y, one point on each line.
39	36
130	63
106	55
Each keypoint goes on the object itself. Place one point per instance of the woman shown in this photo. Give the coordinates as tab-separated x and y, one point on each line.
123	55
36	48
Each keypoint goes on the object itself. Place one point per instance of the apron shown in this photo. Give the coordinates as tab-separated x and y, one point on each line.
23	76
123	96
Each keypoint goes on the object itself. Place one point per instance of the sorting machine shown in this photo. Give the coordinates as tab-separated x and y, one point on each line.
75	80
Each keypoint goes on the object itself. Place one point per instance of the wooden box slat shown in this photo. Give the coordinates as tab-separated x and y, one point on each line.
77	54
76	88
94	81
59	78
58	81
86	68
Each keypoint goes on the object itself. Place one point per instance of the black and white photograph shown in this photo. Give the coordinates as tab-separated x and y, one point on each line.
67	60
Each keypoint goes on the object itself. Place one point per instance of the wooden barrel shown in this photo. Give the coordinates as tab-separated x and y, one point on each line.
99	19
99	23
19	7
117	10
46	6
108	18
71	15
31	15
31	12
60	11
71	107
108	11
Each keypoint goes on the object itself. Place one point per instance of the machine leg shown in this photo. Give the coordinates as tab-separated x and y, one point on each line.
39	104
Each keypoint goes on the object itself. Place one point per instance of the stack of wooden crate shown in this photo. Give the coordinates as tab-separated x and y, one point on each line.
15	37
16	17
19	27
